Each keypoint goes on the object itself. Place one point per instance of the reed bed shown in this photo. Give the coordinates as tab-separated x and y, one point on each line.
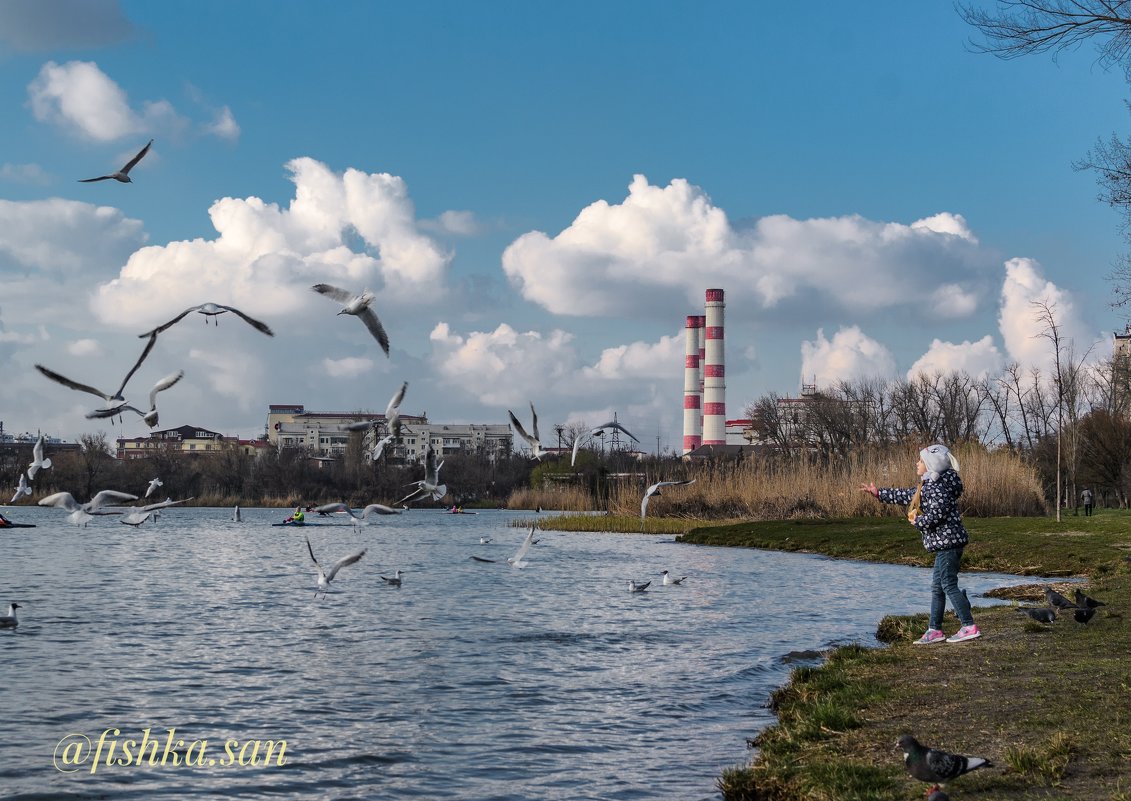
566	498
997	483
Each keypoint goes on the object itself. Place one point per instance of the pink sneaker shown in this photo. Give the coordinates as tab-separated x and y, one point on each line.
930	636
965	633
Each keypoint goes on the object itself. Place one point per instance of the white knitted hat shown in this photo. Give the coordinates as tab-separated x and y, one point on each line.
938	458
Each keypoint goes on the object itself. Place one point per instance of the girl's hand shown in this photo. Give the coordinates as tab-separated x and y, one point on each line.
870	488
912	517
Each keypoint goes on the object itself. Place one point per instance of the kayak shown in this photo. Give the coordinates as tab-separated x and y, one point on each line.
304	524
462	513
10	524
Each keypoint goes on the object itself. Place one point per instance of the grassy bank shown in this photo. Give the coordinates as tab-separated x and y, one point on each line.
1047	704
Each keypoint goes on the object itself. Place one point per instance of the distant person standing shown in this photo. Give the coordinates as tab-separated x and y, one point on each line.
932	508
1086	498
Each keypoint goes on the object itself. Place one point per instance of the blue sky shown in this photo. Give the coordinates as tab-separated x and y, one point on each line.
538	194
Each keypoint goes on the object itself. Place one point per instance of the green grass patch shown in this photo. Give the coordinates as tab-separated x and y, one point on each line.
1043	763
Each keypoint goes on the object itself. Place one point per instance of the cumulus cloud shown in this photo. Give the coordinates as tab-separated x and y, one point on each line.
349	367
228	373
979	359
80	98
503	367
350	229
660	247
656	360
30	25
850	355
64	237
459	223
951	300
1023	293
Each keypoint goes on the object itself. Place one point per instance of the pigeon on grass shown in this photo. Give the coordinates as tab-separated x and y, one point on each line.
1056	599
1039	613
1084	602
1083	615
937	767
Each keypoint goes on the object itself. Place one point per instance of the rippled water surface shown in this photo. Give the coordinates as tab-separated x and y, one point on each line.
474	680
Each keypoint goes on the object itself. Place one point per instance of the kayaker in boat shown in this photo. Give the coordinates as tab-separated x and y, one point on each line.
298	518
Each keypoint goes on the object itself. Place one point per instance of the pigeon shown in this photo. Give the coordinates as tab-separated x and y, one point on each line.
37	461
634	587
123	174
1039	613
655	490
82	513
358	306
9	620
938	767
324	578
154	484
1084	602
536	449
1056	599
150	417
212	310
394	580
113	402
1083	615
527	541
599	430
22	490
669	579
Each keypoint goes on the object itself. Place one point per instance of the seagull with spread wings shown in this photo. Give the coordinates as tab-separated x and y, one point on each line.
114	402
430	485
83	513
212	311
655	489
37	461
359	307
122	175
533	440
324	576
150	416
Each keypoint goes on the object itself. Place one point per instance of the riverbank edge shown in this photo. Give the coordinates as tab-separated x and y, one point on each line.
837	721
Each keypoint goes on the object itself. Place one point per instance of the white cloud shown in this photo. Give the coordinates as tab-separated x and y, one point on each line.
657	250
850	355
977	359
65	237
24	174
655	360
349	367
503	367
84	347
1020	316
229	373
952	300
50	24
351	229
460	223
80	98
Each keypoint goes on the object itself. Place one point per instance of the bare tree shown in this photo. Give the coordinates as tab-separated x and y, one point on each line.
1022	27
1047	317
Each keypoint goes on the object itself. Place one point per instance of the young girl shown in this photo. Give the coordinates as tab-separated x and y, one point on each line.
933	510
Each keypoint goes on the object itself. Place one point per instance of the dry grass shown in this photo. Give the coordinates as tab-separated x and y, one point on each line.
565	498
997	484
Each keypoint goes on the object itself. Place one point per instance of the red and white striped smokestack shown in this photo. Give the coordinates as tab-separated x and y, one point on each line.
714	373
692	391
702	325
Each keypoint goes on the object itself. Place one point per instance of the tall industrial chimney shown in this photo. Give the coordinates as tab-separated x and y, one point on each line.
692	389
714	373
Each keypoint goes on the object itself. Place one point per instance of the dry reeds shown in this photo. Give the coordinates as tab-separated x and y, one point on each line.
564	498
996	484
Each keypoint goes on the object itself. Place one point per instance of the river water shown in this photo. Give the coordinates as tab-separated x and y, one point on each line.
474	680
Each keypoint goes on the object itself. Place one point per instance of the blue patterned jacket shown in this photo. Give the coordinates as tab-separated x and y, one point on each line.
938	521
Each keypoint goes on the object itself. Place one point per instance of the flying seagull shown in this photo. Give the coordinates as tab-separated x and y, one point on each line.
37	461
536	449
9	621
139	514
342	508
359	306
150	416
123	174
22	490
394	580
655	489
669	579
325	578
1056	599
154	484
212	310
236	515
596	430
1084	602
113	401
430	485
1039	613
520	554
937	767
82	513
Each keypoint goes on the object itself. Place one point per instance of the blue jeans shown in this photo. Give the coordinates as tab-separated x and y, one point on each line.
944	585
